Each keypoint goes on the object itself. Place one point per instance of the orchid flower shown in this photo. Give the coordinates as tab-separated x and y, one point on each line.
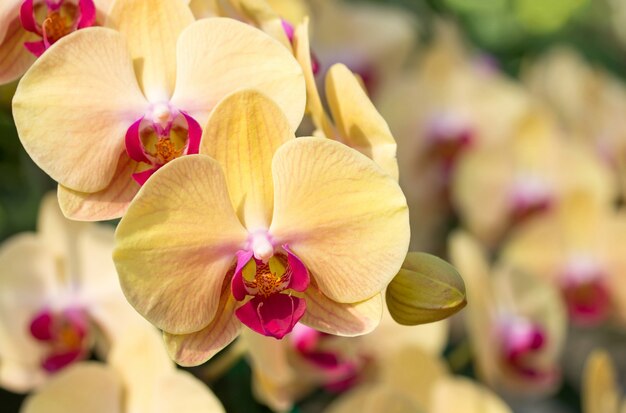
267	230
600	388
139	379
355	121
516	322
414	382
288	370
527	175
59	297
578	248
138	102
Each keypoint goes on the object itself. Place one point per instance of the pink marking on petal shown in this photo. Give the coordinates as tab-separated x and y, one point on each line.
194	133
237	285
37	48
58	361
134	147
142	177
315	64
87	13
273	316
41	326
288	28
305	338
588	302
299	274
27	17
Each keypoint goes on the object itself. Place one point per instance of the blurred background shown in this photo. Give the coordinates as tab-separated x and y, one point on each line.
510	117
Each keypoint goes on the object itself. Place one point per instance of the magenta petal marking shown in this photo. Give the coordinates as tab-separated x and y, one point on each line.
288	28
41	326
37	48
142	177
299	274
134	148
194	133
87	13
305	338
273	316
237	285
27	17
56	362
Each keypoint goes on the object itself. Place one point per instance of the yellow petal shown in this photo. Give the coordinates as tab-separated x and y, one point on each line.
106	204
151	29
28	283
176	243
600	393
452	395
374	398
14	58
85	387
340	319
73	107
341	214
359	124
426	289
293	11
218	56
198	347
265	18
242	134
180	391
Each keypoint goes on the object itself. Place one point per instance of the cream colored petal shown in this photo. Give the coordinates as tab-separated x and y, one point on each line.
9	11
14	58
151	29
218	56
181	392
58	232
109	203
177	242
73	107
341	214
353	319
28	285
293	11
600	392
265	18
374	398
196	348
453	395
359	124
86	387
242	134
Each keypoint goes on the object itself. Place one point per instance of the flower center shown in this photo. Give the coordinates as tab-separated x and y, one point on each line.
448	135
530	195
161	137
65	335
585	291
522	343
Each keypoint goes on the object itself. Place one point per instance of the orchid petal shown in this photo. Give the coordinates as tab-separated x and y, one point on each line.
74	105
29	283
600	392
86	387
106	204
9	11
151	28
14	58
374	398
242	134
341	214
426	289
264	17
180	391
218	56
359	124
176	244
196	348
468	397
340	319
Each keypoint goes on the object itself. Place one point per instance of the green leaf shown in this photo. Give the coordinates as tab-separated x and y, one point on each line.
426	289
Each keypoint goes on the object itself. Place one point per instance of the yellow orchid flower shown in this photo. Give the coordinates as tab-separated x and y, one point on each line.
355	121
265	231
59	294
515	321
414	382
600	389
286	371
524	176
578	248
124	111
139	379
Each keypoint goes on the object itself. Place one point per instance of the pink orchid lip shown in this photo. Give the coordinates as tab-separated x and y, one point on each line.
529	197
449	135
586	294
162	124
53	27
521	341
273	310
64	333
